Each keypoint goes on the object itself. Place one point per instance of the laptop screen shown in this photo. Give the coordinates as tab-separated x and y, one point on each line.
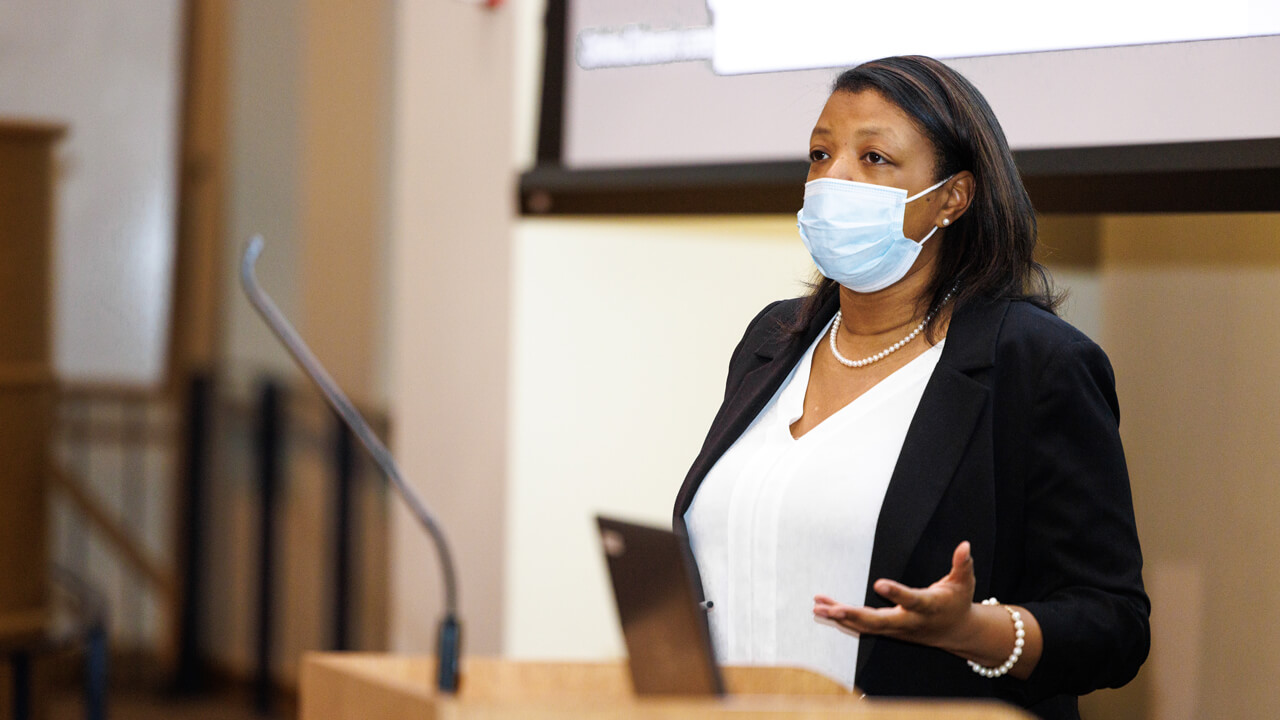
656	589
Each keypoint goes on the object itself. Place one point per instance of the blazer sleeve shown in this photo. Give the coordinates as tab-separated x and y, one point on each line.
1083	560
738	365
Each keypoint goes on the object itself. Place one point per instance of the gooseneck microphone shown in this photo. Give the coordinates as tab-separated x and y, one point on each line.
449	634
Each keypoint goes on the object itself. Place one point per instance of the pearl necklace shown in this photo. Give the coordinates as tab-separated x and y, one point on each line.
835	327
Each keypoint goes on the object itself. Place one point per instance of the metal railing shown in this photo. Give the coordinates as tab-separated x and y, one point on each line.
134	473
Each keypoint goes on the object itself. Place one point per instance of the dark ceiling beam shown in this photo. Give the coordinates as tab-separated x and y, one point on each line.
1224	176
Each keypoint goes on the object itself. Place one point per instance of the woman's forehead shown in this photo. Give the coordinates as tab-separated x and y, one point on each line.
865	115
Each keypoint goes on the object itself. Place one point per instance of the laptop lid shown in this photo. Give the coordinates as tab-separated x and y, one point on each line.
655	586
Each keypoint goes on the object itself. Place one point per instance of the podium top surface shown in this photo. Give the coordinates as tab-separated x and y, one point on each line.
345	686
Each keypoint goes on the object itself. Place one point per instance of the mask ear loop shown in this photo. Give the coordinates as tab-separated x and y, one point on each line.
924	192
928	190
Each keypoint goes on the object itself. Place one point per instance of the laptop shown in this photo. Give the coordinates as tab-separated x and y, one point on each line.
656	589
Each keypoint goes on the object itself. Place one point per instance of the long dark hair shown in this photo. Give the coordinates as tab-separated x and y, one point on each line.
988	251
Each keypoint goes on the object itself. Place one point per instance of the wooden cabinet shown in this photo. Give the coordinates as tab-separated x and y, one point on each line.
26	374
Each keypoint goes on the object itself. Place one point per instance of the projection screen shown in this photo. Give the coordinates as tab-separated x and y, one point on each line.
697	87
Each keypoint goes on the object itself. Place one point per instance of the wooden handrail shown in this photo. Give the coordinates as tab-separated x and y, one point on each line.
85	390
304	404
120	538
145	434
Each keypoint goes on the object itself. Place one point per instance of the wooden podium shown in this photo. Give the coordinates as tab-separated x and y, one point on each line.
349	686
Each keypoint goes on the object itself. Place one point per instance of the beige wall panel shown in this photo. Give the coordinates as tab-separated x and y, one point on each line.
1191	332
1069	241
309	124
452	207
263	183
343	181
1192	241
1178	638
1070	248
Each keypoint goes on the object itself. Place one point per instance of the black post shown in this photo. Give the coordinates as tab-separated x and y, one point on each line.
344	470
551	114
95	672
270	431
20	662
189	672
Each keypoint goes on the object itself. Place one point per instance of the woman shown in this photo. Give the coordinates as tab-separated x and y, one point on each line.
921	432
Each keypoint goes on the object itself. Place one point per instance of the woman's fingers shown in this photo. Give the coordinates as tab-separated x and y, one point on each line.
899	594
824	606
873	621
863	619
830	613
962	563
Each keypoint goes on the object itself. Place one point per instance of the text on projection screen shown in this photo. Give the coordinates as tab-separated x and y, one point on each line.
800	40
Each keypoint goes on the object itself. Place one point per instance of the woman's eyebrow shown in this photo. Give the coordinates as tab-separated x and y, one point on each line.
874	131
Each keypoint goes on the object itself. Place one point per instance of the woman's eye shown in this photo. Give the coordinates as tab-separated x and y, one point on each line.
817	156
875	158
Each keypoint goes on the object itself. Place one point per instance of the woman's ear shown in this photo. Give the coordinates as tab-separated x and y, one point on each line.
959	195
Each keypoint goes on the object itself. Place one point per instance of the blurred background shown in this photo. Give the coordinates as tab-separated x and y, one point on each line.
183	518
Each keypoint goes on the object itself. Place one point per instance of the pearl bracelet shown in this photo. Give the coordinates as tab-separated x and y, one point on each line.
1019	640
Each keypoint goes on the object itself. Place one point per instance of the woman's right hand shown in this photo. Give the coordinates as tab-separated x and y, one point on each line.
937	615
942	615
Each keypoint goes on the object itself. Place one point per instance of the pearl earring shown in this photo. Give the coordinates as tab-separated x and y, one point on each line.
946	221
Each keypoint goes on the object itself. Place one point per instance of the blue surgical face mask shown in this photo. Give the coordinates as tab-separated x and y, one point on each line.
854	233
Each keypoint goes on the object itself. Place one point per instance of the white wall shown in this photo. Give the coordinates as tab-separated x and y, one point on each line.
110	72
622	330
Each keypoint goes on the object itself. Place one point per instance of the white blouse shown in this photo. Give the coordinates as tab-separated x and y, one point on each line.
778	520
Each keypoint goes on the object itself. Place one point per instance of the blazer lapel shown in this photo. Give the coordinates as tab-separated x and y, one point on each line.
775	354
936	441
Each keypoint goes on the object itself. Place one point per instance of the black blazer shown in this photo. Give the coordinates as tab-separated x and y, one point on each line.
1015	447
